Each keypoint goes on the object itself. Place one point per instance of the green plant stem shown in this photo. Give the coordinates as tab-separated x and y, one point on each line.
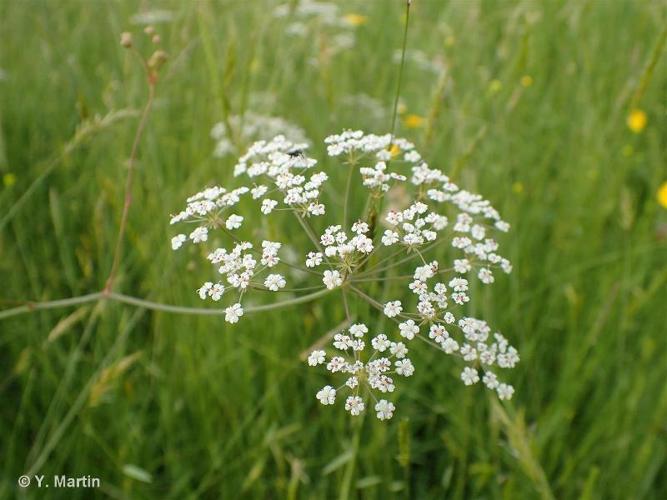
375	270
400	71
348	475
368	299
348	188
128	187
147	304
346	304
311	235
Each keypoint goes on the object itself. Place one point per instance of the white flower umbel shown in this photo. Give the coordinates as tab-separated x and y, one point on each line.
415	253
366	372
251	127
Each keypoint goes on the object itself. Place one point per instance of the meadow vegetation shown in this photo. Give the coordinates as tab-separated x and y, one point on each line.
553	110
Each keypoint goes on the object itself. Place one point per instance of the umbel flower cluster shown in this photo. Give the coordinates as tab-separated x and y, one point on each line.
411	254
324	22
250	127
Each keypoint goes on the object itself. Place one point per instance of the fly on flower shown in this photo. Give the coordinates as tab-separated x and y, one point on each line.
296	153
435	240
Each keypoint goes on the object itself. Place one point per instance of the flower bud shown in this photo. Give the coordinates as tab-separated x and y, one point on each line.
126	39
156	61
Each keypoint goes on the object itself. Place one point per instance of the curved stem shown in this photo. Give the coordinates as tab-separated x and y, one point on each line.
147	304
368	299
348	475
311	235
53	304
128	187
400	71
346	304
375	270
348	188
309	232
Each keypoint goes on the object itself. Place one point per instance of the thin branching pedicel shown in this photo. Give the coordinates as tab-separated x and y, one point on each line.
152	66
412	214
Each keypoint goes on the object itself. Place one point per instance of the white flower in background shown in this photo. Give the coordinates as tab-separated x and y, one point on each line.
316	209
490	380
198	235
469	376
450	346
358	330
309	18
233	313
393	309
251	127
216	291
327	395
381	343
268	206
316	358
234	222
354	404
408	329
204	290
462	266
384	409
438	333
270	254
177	241
505	391
404	367
485	276
389	237
274	282
398	349
258	192
332	279
422	61
313	259
414	216
155	16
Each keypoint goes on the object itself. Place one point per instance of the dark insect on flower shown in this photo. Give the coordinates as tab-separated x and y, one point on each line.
296	153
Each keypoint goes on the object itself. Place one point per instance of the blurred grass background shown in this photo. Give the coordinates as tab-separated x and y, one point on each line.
527	104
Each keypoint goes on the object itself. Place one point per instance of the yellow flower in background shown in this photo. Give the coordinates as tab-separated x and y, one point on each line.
9	179
637	120
355	19
662	194
495	86
526	80
450	41
517	187
414	121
